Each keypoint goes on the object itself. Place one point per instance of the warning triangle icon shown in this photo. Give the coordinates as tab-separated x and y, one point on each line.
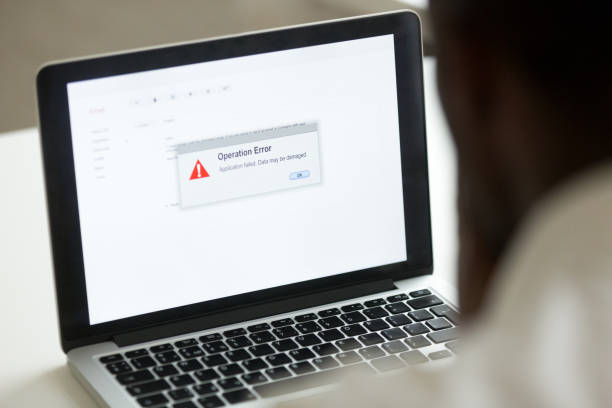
198	172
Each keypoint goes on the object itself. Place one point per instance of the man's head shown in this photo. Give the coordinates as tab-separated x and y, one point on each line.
526	89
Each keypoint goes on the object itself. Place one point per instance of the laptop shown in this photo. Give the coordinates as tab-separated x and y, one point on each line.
245	219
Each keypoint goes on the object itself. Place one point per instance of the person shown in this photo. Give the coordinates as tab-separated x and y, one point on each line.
525	87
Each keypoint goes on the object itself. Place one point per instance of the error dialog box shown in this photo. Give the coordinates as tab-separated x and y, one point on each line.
247	164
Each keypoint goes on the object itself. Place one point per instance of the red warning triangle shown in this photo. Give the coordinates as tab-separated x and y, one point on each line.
198	172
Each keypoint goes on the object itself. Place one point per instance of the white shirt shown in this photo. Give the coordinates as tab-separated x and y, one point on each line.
545	339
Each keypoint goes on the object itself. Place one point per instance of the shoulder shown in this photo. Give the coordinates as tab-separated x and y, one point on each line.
556	279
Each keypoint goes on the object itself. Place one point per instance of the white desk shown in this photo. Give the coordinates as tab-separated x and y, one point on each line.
33	370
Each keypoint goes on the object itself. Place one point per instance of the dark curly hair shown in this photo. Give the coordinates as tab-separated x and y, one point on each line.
564	47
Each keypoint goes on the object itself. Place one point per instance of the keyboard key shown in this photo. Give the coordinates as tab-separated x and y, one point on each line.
211	402
167	357
425	301
325	349
325	363
238	355
394	347
308	381
301	354
134	377
191	352
284	345
113	358
214	360
417	342
282	322
371	352
148	387
370	338
353	317
374	302
229	383
376	325
262	337
415	329
258	327
348	344
353	330
182	393
308	327
165	370
443	336
387	363
254	378
331	335
393	334
351	308
151	400
235	332
396	308
419	293
305	317
421	315
376	312
349	357
230	369
397	298
206	375
261	350
398	320
438	355
189	365
446	311
139	363
181	380
255	364
331	322
184	404
284	332
203	389
329	312
124	367
277	373
215	347
308	340
302	367
234	397
210	337
137	353
239	342
160	348
439	324
454	345
413	357
278	359
185	343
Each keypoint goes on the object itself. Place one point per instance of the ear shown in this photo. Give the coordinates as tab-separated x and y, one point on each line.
467	78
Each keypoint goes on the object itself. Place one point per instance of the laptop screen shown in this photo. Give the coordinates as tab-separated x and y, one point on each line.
209	180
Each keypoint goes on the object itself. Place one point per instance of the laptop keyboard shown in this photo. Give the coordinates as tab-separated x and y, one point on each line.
288	354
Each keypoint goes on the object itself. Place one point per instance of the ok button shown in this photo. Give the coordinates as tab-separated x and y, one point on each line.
297	175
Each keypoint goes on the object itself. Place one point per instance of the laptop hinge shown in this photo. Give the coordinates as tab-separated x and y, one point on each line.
253	312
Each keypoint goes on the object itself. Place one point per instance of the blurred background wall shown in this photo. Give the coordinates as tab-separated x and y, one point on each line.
33	32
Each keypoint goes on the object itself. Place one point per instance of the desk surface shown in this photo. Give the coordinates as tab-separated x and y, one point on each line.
34	370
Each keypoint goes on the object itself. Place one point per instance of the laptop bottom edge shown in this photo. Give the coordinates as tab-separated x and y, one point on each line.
289	359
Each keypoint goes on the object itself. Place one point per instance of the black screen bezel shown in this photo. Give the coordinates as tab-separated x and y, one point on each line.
60	182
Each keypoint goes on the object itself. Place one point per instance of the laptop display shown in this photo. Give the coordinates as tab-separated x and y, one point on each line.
208	180
244	217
